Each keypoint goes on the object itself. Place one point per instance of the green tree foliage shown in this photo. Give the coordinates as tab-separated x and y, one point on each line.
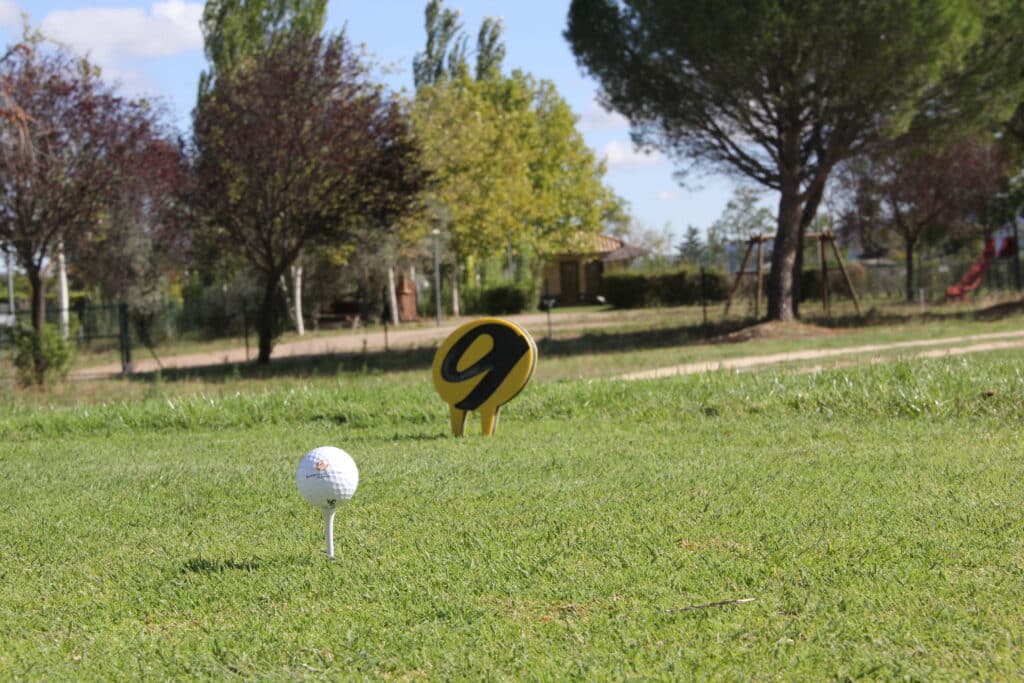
445	53
479	170
782	92
236	30
692	250
297	148
41	356
510	170
744	217
568	195
512	174
490	50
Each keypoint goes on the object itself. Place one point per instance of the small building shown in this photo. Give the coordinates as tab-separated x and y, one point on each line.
575	278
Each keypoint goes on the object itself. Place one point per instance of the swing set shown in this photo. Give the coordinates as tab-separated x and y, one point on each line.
823	238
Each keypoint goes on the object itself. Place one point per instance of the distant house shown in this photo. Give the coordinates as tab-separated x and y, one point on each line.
575	278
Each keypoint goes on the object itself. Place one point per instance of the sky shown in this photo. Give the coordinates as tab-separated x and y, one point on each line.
155	49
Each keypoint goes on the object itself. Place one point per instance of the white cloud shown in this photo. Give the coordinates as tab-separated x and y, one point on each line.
620	155
108	34
669	195
10	14
597	118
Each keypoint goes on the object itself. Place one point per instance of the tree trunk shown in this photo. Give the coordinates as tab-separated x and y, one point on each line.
267	321
392	296
300	325
456	309
10	282
784	253
62	294
37	282
909	243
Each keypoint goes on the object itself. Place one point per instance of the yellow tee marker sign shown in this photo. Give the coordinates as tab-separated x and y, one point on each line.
482	366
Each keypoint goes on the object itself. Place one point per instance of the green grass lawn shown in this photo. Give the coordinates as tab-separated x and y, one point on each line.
874	515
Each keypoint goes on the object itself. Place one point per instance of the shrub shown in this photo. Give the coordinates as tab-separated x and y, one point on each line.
674	288
503	299
41	358
627	290
810	281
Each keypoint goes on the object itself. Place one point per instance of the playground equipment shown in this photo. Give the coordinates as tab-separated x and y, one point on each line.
823	238
999	244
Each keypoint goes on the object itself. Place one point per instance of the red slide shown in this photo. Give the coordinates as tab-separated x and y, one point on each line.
972	279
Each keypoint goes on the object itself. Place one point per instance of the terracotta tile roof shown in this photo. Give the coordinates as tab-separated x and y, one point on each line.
625	253
607	247
592	243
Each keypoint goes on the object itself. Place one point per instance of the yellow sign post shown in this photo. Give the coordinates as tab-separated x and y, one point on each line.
482	366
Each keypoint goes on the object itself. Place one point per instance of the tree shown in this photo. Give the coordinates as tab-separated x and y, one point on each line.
234	32
742	217
780	93
512	173
237	30
10	111
480	187
568	194
490	51
298	148
445	53
692	249
924	193
140	237
69	162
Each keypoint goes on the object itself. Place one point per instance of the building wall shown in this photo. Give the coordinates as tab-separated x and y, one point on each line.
589	270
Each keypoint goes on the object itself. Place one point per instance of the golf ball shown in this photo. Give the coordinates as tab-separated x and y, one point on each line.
327	475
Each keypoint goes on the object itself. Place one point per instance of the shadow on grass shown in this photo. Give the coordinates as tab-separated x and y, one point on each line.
875	317
202	565
379	361
585	343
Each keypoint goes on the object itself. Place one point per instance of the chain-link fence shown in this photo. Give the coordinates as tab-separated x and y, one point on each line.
887	279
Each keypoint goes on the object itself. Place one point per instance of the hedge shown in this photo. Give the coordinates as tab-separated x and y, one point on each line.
675	288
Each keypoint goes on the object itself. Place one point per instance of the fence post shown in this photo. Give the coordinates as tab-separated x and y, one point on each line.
126	339
1018	281
703	299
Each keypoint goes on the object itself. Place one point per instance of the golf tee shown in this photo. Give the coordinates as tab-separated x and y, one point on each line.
328	514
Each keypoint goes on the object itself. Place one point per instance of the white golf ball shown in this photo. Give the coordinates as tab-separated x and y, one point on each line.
327	475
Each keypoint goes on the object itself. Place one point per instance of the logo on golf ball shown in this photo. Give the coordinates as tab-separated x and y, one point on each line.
481	366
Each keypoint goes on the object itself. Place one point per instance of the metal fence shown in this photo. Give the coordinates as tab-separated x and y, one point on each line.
89	325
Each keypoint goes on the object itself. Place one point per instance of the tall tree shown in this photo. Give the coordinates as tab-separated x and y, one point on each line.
237	30
490	50
480	176
445	54
568	194
67	161
297	148
782	92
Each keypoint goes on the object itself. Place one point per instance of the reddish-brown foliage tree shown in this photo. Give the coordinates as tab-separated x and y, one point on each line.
922	193
77	147
297	148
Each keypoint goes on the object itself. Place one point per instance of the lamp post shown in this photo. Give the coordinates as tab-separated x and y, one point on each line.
437	274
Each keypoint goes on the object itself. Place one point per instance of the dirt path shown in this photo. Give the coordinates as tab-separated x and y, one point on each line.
949	346
345	342
536	323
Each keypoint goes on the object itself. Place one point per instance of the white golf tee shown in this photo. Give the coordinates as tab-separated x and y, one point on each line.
328	514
